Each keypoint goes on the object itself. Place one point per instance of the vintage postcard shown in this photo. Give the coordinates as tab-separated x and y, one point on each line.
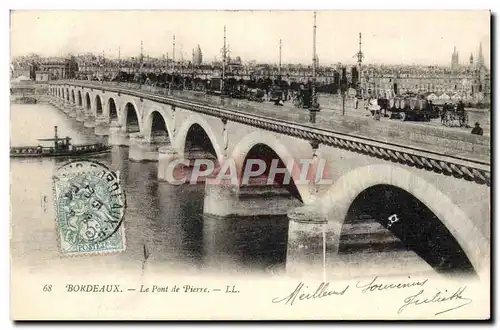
250	165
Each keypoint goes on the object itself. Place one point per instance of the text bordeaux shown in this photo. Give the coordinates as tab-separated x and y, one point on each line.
93	288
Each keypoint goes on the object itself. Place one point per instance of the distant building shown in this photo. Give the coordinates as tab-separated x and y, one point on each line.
71	68
471	80
60	68
56	69
197	56
454	60
480	58
42	76
462	82
234	64
23	68
20	72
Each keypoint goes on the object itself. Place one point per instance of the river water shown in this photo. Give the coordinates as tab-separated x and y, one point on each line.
163	219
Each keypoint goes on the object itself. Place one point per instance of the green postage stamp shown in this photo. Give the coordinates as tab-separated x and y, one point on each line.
90	205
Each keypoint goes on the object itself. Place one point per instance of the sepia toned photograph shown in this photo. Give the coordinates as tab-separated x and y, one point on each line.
250	165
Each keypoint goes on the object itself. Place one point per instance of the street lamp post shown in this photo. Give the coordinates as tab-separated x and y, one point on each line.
173	63
224	53
344	87
140	66
119	64
102	68
343	102
279	67
314	108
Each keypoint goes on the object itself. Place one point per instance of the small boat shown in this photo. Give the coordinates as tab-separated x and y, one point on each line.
62	148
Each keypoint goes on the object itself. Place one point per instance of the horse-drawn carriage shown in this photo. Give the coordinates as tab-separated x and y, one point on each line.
255	94
408	108
275	94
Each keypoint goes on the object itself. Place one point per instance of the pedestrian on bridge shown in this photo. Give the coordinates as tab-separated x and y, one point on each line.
477	130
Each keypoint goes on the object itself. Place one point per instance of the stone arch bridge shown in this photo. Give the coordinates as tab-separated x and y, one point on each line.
430	187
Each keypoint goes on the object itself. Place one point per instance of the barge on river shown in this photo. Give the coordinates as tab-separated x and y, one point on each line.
62	148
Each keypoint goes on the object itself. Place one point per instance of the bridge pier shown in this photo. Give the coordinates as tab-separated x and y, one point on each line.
313	242
71	110
117	137
79	114
222	199
89	120
143	148
101	126
59	103
166	155
64	106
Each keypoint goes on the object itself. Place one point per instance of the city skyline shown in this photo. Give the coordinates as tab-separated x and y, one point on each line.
255	35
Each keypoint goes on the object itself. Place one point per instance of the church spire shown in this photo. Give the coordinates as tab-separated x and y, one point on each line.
480	58
454	59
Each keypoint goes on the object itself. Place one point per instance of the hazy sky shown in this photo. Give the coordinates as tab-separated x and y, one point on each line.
424	37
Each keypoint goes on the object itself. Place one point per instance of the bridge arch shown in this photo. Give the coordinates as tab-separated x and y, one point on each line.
157	123
88	102
98	105
131	119
112	110
431	207
256	142
182	135
67	94
73	96
80	102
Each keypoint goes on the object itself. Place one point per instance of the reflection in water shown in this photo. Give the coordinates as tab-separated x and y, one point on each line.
248	242
165	221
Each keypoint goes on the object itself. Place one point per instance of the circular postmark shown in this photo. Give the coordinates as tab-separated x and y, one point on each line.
90	203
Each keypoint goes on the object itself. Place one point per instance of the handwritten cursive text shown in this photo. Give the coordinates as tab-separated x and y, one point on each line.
439	297
301	293
375	286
